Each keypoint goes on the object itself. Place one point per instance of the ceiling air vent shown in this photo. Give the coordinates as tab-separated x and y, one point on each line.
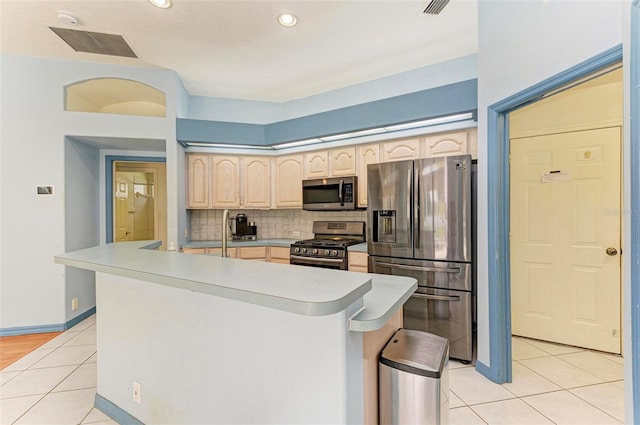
435	7
95	42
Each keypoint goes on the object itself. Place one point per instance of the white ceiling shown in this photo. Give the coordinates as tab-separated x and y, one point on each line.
236	48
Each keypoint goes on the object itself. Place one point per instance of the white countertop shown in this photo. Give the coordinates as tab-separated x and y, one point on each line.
302	290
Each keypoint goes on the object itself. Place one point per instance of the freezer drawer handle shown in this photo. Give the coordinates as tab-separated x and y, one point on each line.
417	268
437	297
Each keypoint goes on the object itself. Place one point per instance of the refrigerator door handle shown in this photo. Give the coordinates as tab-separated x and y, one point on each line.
409	206
437	297
418	268
417	213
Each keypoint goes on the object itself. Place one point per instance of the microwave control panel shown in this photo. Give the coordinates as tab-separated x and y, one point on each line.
348	192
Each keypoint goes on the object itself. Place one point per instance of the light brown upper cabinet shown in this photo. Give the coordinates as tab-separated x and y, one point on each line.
366	154
288	181
226	181
198	178
256	177
398	150
445	144
316	165
342	161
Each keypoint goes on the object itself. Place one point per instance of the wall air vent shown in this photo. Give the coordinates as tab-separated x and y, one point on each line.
435	7
95	42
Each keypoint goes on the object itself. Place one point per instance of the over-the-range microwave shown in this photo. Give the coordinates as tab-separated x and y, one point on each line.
330	194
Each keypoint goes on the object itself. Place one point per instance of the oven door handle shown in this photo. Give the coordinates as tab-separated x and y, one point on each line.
319	260
437	297
418	268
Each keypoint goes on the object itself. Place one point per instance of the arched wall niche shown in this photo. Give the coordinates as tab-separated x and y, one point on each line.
115	96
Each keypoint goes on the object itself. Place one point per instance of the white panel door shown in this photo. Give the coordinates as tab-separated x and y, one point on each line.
122	222
565	224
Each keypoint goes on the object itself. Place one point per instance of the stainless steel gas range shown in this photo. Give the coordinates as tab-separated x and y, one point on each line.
328	248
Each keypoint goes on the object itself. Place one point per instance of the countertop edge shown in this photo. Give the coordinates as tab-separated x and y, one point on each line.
369	325
306	308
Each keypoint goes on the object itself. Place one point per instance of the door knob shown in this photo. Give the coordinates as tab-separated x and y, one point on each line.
611	251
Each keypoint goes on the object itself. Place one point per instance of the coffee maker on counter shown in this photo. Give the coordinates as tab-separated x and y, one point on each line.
245	230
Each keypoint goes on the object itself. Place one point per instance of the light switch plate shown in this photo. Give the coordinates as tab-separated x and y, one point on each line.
44	190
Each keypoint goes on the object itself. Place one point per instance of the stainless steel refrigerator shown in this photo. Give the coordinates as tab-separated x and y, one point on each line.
420	224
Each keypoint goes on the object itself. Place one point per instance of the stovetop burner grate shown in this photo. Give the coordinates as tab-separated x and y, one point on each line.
327	242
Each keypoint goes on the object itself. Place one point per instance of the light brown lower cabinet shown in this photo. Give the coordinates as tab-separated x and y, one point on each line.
256	253
218	252
372	345
358	262
201	251
279	254
274	254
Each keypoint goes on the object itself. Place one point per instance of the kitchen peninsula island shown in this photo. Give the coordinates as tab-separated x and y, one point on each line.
220	340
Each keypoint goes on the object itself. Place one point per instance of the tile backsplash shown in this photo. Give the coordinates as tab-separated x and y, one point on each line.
272	224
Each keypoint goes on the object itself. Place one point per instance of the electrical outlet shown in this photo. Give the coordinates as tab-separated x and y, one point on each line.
74	304
186	233
136	392
296	233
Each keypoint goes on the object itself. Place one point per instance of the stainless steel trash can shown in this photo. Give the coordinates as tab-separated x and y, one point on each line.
414	379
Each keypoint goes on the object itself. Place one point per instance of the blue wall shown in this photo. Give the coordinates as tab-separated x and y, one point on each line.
439	101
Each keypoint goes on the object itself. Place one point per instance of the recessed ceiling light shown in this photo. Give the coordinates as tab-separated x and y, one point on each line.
287	19
164	4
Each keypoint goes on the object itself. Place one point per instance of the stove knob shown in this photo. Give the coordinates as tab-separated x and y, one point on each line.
326	252
315	251
297	249
334	253
304	250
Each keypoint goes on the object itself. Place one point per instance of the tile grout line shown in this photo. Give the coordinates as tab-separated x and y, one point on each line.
568	390
593	405
43	397
60	382
533	407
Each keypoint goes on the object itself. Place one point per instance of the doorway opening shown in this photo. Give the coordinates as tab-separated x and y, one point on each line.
565	222
498	223
136	199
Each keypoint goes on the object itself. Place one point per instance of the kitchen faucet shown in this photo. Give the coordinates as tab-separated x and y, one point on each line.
225	232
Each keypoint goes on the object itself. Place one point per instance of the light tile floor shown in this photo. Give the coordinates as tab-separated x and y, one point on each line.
552	384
